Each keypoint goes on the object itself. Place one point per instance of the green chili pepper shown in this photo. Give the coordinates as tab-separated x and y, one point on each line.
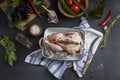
67	8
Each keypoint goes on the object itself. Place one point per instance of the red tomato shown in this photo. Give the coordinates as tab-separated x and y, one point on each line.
69	2
79	1
75	8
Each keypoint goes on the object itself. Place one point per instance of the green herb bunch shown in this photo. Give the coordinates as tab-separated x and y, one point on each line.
38	4
20	10
9	45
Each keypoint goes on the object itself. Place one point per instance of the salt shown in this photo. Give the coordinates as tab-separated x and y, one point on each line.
35	29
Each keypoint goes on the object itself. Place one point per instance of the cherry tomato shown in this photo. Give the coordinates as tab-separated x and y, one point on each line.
69	2
79	1
75	8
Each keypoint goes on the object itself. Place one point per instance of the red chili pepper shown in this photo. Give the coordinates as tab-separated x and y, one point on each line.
107	19
34	8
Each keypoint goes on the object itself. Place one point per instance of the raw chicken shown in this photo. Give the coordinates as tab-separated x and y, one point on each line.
73	37
55	36
70	42
70	48
53	46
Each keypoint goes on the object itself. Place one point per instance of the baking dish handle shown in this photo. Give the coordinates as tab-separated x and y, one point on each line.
40	42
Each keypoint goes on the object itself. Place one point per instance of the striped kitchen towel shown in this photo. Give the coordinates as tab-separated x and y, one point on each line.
56	67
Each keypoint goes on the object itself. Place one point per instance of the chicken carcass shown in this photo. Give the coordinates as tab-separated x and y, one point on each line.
53	46
70	42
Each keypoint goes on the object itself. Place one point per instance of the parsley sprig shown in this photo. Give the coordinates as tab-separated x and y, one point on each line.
9	45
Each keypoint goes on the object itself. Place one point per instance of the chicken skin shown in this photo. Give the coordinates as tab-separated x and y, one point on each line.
55	36
53	46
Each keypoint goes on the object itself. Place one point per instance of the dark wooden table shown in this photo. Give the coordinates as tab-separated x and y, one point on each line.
104	66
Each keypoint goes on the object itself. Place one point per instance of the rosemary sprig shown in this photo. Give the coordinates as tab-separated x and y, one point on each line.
67	42
107	32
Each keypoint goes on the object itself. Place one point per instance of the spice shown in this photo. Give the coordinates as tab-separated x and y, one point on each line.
99	8
35	30
23	40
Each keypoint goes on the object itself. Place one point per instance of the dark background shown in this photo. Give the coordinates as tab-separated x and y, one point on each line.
104	66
